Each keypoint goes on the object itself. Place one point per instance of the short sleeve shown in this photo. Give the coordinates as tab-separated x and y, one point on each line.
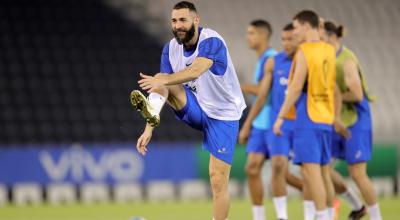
214	49
165	65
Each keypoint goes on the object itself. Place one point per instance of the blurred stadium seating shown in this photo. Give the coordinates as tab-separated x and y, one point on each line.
67	68
66	71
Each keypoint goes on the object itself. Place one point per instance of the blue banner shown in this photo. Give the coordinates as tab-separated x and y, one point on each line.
109	163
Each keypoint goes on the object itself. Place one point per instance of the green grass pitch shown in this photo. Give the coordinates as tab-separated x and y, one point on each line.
240	210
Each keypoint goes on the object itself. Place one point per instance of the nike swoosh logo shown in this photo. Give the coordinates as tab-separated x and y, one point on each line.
222	151
188	64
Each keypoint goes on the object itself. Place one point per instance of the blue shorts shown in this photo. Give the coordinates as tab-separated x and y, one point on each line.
357	149
280	145
258	142
312	146
219	136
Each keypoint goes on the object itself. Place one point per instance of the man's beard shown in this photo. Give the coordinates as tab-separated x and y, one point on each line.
188	36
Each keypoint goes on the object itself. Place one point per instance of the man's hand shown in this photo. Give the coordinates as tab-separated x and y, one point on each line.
341	129
143	141
277	126
149	83
244	134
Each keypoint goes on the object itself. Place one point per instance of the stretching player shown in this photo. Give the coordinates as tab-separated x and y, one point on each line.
276	75
312	88
209	100
356	115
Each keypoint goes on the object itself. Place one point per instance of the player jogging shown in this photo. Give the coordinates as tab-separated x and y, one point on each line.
356	115
274	82
199	82
312	91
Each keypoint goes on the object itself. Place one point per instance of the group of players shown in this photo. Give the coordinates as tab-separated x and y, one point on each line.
312	100
307	140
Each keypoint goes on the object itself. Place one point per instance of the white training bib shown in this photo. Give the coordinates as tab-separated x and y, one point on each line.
219	96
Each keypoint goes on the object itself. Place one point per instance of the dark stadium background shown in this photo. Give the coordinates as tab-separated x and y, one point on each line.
67	68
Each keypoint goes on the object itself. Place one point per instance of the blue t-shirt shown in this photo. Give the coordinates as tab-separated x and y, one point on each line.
262	121
212	48
280	77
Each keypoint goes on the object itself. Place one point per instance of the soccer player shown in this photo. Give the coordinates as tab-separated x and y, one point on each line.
277	70
258	35
199	82
356	115
312	88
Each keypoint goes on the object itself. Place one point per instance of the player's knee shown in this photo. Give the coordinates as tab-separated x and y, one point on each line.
309	174
279	165
358	174
218	182
326	174
252	169
163	90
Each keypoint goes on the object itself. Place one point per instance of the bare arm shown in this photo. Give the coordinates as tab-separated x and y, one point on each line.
294	90
353	82
296	86
264	86
144	139
198	67
251	89
338	101
338	124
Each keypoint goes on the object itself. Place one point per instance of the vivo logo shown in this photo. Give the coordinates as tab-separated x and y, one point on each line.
79	164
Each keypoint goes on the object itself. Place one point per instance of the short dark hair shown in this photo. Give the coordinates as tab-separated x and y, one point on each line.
307	16
260	23
288	27
185	4
332	28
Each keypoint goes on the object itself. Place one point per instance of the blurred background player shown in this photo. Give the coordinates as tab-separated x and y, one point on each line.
276	75
356	115
210	100
312	89
258	36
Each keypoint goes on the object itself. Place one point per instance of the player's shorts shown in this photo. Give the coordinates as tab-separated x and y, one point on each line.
312	146
219	136
338	146
280	145
357	149
258	142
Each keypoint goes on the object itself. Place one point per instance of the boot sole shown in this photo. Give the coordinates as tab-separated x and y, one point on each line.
138	102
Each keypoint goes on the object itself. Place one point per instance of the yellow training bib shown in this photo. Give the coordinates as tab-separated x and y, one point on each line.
321	79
